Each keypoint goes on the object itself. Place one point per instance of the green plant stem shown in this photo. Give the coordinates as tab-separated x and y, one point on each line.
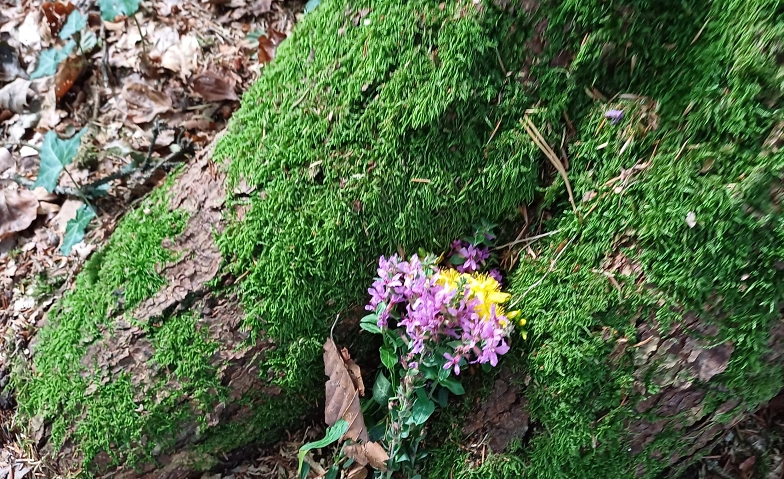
81	193
139	28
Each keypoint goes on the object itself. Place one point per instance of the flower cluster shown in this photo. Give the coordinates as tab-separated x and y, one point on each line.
467	257
460	311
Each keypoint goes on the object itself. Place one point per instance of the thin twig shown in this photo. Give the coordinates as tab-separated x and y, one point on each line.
58	190
537	138
299	100
529	239
156	130
549	270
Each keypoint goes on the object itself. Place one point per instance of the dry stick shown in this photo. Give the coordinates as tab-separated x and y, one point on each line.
537	138
529	239
549	270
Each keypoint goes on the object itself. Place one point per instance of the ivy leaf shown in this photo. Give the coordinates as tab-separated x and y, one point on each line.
311	5
56	154
74	230
50	58
76	21
382	390
110	9
332	434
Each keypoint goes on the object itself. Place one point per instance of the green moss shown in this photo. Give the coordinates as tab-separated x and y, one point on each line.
361	140
709	161
119	277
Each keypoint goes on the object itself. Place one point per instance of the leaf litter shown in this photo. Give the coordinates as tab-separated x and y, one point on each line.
157	85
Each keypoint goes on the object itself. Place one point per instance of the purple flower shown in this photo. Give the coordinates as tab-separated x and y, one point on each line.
453	362
614	115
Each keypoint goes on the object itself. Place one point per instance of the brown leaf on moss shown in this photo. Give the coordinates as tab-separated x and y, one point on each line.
342	395
368	453
268	44
18	209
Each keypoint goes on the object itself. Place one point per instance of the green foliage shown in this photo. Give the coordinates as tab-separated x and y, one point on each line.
74	230
50	58
56	154
111	9
332	435
74	24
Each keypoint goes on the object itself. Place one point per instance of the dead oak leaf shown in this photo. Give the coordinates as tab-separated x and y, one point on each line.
268	44
368	453
213	87
144	103
182	57
342	395
18	209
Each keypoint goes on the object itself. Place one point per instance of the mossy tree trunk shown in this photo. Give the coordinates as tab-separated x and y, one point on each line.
655	311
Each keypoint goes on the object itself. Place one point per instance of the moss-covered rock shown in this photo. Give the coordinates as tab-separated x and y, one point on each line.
384	126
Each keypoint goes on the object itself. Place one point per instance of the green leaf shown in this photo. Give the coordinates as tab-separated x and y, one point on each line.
456	260
303	474
453	385
50	58
382	390
311	5
56	154
443	396
423	408
388	358
370	327
332	473
331	435
76	21
110	9
74	230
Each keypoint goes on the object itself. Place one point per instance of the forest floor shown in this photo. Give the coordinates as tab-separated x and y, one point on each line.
154	88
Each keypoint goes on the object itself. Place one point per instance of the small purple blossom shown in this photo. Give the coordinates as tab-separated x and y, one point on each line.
614	115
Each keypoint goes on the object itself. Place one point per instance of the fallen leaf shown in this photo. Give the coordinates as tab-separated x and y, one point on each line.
260	7
56	14
357	472
268	44
144	103
342	395
67	74
14	95
183	57
18	209
747	466
368	453
67	213
354	371
213	87
44	208
6	160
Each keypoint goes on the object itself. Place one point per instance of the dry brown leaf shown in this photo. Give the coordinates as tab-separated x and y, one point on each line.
182	57
56	14
368	453
67	73
357	472
354	371
18	209
213	87
14	95
342	395
144	103
67	213
268	44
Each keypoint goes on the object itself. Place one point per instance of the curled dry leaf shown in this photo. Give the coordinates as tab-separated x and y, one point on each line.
6	160
14	95
368	453
67	73
357	471
56	14
18	209
342	395
213	87
143	103
268	44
